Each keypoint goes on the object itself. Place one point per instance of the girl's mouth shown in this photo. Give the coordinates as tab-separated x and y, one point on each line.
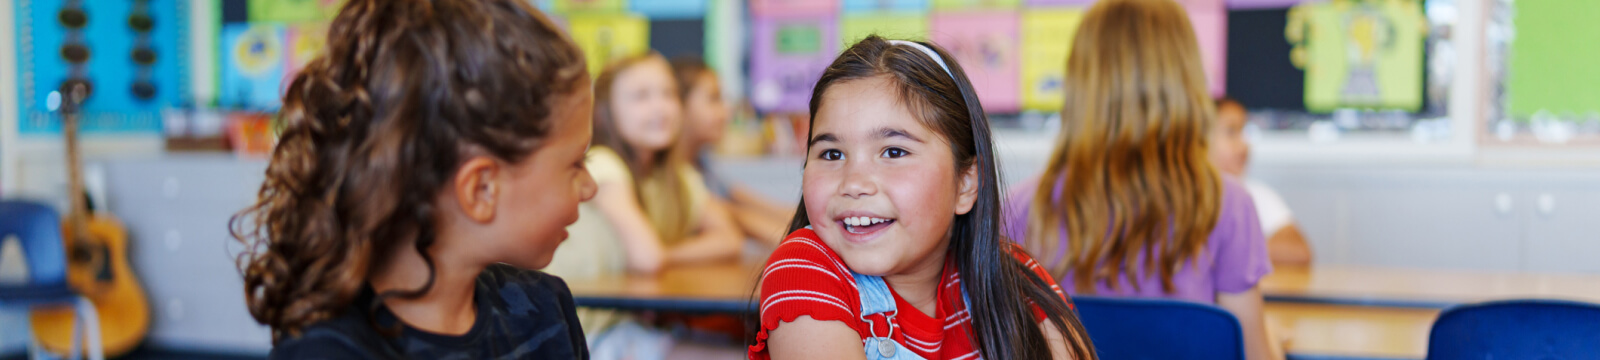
863	225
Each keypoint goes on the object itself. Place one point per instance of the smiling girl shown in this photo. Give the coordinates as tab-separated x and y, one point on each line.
895	252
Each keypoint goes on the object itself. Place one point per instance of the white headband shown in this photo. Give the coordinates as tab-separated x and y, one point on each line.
926	50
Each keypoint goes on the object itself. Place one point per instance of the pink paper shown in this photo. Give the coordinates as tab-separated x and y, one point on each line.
781	78
986	45
1210	21
769	8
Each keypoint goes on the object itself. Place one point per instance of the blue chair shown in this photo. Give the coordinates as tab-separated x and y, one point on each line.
1517	329
1129	328
38	229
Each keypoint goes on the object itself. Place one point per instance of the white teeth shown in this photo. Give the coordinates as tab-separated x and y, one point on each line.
876	221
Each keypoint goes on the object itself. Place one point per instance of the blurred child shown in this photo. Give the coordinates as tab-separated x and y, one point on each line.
428	161
896	247
1231	154
653	208
1129	204
705	121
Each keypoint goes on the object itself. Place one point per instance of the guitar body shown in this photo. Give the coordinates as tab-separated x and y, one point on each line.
98	269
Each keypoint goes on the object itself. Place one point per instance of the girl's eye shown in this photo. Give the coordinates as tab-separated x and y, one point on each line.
895	153
831	155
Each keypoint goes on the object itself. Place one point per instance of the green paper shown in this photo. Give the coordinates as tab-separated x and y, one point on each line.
894	25
292	11
1555	58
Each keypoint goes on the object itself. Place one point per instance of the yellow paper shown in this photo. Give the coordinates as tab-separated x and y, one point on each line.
1046	42
895	25
609	37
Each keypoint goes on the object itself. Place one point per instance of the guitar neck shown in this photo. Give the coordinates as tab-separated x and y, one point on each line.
78	213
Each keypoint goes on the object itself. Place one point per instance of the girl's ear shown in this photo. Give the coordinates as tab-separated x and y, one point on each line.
476	188
968	192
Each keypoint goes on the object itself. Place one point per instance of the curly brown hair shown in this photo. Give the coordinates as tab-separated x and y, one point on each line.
373	129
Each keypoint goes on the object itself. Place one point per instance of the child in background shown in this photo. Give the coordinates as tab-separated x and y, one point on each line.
653	210
1231	154
896	245
1129	204
705	121
428	161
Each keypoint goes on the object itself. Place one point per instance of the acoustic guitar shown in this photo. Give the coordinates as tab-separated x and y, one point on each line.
97	259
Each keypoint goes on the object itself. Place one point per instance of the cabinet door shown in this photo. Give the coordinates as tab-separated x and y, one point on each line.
176	210
1564	228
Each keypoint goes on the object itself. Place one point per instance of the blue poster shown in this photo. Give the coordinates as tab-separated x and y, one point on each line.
127	95
859	6
252	66
669	9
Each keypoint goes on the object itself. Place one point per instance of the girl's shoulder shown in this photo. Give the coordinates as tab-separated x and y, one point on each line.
804	277
606	166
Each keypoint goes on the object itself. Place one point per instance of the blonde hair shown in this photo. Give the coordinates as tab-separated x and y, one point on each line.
1135	182
661	186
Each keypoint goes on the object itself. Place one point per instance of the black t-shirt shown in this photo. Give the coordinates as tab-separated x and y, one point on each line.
521	315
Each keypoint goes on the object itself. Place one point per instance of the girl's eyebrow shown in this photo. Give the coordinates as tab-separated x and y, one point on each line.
888	132
822	137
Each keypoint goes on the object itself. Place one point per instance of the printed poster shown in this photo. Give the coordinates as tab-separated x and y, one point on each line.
669	9
1360	54
596	6
112	106
252	66
788	56
866	6
305	42
1046	44
789	8
986	45
900	26
608	37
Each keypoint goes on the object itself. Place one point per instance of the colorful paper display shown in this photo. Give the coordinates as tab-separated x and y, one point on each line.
1360	54
904	26
605	38
788	56
252	65
1046	44
986	45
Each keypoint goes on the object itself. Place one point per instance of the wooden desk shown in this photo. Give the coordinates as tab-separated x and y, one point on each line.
1419	288
1330	310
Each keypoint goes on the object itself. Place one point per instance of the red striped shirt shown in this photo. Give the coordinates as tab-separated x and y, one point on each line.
804	277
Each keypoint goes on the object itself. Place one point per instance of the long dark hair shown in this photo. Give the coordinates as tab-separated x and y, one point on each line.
372	130
999	286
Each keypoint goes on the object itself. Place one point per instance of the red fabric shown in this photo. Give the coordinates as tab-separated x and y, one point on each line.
806	278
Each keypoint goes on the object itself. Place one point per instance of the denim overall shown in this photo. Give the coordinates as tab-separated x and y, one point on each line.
876	299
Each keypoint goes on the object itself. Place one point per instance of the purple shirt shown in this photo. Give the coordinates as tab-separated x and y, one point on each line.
1233	260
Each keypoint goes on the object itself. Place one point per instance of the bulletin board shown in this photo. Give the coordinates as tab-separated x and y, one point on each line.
1014	51
128	93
